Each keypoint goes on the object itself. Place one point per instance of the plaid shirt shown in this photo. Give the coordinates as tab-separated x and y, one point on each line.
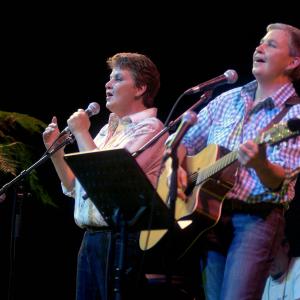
230	120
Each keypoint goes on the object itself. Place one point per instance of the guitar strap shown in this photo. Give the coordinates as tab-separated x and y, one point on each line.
293	100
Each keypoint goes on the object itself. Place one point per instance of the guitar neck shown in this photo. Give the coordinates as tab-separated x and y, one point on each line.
219	165
276	134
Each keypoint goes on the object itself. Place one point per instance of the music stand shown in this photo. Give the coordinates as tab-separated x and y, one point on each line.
122	193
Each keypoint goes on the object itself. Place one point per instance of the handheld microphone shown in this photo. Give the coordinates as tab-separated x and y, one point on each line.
188	119
92	110
230	76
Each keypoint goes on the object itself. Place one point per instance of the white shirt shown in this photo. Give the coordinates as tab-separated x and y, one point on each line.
286	287
130	132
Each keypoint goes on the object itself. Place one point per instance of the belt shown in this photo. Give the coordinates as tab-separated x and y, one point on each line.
239	206
96	229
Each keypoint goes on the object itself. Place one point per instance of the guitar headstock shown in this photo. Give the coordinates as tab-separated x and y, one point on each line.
277	134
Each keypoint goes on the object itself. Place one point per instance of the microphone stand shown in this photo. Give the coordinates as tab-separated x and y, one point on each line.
19	195
46	156
172	195
173	187
202	99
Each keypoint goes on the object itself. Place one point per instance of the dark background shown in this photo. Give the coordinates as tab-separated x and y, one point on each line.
53	61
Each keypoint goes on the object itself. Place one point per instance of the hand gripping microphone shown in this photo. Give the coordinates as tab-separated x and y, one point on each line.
92	110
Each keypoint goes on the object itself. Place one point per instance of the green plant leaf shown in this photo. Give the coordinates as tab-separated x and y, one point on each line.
19	133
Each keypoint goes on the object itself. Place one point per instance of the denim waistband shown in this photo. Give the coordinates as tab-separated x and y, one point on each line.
239	206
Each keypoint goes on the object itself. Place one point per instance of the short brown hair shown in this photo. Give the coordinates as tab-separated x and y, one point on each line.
294	44
143	70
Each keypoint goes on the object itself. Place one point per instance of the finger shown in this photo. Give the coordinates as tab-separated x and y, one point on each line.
249	144
245	148
250	147
243	157
182	179
181	194
247	151
54	120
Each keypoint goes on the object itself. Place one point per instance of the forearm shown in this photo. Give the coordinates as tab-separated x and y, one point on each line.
63	171
85	141
271	175
181	154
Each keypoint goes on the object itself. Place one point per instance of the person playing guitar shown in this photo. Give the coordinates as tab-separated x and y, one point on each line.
239	248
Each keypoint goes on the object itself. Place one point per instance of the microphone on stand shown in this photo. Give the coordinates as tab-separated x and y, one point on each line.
92	110
188	119
229	77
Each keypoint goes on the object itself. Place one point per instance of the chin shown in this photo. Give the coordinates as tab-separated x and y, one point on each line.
109	104
255	71
111	107
258	75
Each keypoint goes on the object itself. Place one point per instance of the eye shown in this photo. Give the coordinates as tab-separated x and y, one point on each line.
118	77
272	44
269	43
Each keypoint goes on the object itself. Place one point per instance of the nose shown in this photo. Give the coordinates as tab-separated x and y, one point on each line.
108	84
260	48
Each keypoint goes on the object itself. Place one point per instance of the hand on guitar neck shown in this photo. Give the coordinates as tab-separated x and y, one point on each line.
253	155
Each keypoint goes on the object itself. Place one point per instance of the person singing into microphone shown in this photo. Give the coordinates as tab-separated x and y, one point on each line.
239	248
134	83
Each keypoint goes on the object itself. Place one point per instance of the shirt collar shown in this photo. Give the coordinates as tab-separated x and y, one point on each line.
114	120
278	98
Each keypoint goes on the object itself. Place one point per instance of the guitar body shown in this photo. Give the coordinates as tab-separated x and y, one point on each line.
202	209
206	198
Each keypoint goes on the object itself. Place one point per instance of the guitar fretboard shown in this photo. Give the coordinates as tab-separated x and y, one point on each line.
219	165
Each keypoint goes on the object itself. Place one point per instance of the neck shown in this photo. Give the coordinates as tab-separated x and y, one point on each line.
131	110
265	89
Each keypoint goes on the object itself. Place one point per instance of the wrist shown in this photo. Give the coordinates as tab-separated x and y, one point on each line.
261	165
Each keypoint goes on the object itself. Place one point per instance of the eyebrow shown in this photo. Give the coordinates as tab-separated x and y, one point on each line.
263	40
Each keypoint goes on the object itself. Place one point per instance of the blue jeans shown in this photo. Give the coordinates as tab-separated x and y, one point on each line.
240	274
95	266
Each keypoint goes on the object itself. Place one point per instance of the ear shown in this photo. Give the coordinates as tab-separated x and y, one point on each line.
295	62
140	91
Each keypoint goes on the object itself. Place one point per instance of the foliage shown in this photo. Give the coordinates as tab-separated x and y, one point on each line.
19	135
